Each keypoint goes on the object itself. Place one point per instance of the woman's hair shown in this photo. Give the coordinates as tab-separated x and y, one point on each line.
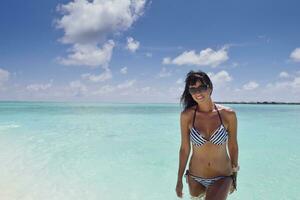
191	78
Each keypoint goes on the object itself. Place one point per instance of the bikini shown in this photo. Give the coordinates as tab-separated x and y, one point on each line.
219	137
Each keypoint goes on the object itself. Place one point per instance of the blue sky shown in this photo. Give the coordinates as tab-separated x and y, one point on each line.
140	51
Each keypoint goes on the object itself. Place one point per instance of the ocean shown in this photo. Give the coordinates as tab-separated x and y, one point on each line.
102	151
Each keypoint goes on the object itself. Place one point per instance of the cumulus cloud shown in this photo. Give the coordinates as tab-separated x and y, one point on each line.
289	82
296	82
87	24
164	73
105	89
175	91
123	70
167	60
251	85
146	89
89	55
92	21
264	38
284	90
126	84
295	55
206	57
77	88
122	88
149	55
106	75
284	75
39	87
220	78
132	45
4	76
235	64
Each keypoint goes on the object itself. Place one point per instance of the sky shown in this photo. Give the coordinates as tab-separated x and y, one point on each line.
139	51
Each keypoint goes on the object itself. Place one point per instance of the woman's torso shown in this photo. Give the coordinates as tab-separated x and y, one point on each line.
209	159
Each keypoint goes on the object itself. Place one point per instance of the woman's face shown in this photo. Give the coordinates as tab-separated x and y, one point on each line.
201	94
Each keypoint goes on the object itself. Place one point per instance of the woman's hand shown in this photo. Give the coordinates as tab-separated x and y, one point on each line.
178	189
233	185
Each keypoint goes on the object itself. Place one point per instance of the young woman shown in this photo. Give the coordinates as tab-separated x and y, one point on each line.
210	128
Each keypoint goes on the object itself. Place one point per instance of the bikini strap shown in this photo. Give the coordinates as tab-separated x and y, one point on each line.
195	115
219	115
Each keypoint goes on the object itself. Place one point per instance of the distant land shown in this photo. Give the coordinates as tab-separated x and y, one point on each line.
220	102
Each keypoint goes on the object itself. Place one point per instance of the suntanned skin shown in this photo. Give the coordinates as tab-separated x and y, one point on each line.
208	160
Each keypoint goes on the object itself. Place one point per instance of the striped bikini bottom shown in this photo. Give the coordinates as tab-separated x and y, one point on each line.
205	181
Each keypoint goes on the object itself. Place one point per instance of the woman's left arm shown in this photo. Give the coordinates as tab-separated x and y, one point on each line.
232	140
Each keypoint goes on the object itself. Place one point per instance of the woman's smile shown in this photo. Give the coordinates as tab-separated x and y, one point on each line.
199	97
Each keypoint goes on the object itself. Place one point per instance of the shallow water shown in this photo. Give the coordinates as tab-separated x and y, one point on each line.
70	151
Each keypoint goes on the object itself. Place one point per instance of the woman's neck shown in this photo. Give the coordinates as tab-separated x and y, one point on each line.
206	107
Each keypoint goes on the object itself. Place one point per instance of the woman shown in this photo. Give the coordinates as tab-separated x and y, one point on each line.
209	127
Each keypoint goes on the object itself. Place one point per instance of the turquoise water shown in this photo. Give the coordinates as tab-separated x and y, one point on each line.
72	151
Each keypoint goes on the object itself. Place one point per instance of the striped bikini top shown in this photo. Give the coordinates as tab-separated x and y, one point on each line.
218	137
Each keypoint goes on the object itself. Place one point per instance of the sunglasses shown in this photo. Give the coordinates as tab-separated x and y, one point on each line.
201	88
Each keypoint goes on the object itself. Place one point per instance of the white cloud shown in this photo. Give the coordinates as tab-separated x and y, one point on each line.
39	87
164	73
132	45
220	78
145	89
295	55
92	21
296	82
265	38
126	84
89	55
284	90
123	70
251	85
235	64
279	85
88	23
284	75
97	78
206	57
282	85
175	92
122	88
167	60
4	76
77	88
104	90
149	55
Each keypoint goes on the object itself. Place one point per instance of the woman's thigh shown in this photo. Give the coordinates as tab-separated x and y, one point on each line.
219	190
195	188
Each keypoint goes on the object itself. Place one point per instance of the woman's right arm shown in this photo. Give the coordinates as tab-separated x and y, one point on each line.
184	151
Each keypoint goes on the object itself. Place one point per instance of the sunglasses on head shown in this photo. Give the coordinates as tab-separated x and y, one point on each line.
201	88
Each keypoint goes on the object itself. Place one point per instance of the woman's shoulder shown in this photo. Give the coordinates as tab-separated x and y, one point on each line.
188	112
226	110
227	113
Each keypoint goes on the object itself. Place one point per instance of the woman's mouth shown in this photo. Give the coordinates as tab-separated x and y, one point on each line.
199	97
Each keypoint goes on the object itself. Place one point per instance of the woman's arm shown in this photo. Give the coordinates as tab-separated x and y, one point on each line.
232	140
184	151
233	145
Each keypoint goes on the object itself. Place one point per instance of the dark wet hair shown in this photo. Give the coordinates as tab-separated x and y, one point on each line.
191	78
